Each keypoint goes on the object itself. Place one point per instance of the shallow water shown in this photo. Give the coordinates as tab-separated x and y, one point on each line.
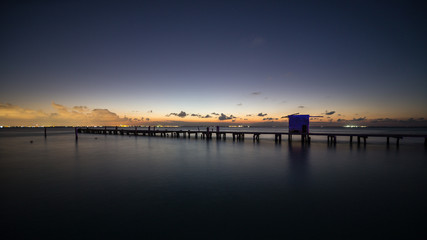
107	186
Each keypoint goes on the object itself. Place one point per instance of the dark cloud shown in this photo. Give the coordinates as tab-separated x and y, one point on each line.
256	93
301	106
262	114
182	114
150	111
248	115
225	117
270	119
359	119
329	113
239	104
200	116
214	113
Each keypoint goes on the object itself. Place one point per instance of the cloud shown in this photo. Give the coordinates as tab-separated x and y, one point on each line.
80	108
10	112
257	41
150	111
359	119
248	115
301	106
262	114
214	113
256	93
182	114
200	116
225	117
269	119
239	104
77	115
329	113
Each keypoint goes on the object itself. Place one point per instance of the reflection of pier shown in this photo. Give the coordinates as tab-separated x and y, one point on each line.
240	135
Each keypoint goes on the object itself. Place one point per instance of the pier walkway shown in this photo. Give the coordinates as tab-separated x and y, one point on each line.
240	135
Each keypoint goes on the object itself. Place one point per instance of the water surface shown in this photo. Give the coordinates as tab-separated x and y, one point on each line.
107	186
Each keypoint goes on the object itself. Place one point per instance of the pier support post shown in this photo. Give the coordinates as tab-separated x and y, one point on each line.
45	133
351	139
76	133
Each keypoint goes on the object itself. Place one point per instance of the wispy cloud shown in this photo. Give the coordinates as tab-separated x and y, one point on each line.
77	115
256	93
257	41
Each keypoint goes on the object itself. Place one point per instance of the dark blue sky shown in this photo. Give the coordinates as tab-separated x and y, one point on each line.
357	58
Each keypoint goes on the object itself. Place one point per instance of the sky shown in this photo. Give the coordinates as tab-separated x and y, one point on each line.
213	62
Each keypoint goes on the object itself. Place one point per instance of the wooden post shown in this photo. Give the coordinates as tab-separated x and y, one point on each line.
45	133
136	130
351	139
76	133
388	141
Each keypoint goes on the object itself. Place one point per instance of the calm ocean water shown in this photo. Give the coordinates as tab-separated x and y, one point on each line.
126	187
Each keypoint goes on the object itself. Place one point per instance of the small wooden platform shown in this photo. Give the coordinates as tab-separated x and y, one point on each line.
240	135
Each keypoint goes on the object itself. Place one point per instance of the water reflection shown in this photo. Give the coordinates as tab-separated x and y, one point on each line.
299	155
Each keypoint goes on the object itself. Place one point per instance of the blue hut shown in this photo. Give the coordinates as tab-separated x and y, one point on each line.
299	124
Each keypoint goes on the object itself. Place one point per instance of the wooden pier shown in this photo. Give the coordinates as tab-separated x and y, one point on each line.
240	135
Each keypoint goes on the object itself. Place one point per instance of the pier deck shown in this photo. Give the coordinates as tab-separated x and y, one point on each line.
240	135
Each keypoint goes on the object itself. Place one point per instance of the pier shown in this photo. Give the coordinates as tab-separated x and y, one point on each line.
240	135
